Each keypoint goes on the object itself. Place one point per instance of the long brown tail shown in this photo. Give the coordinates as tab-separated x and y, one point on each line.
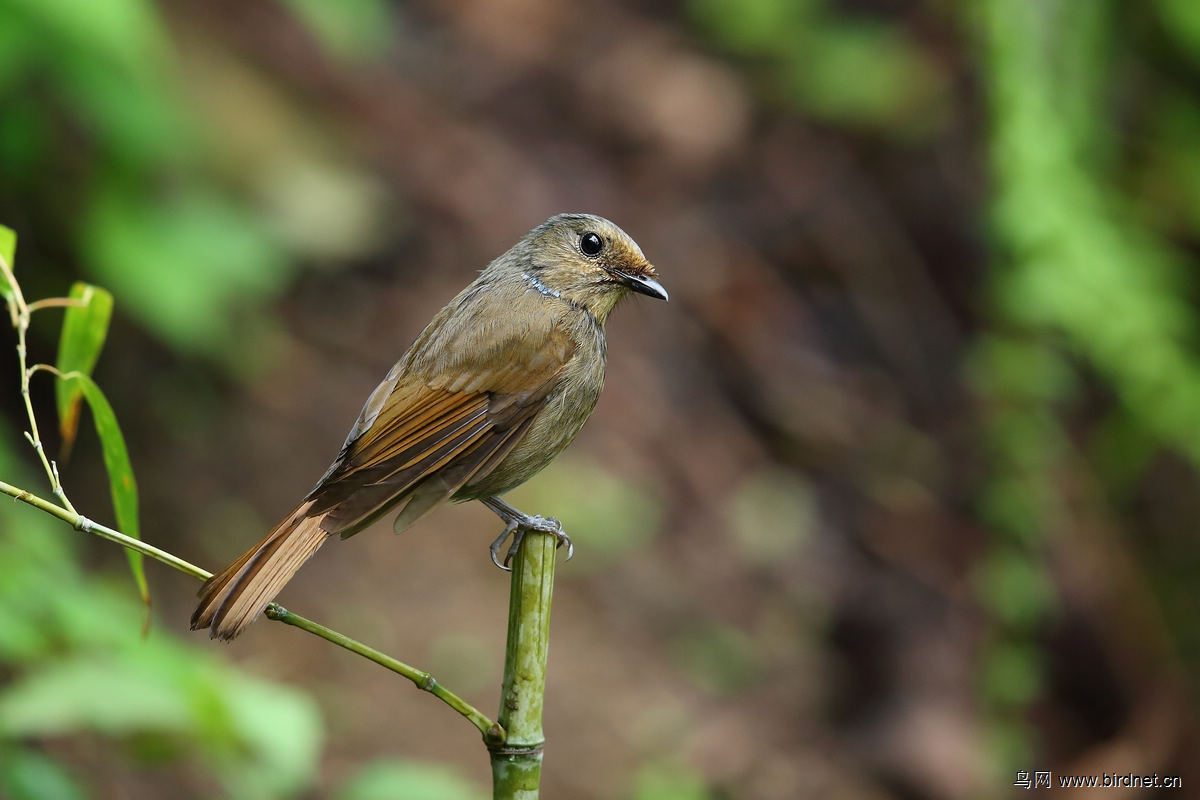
235	596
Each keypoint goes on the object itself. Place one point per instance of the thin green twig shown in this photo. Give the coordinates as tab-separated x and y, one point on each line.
492	732
56	302
20	311
82	523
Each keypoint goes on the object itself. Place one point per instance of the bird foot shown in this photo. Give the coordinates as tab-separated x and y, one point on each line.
517	524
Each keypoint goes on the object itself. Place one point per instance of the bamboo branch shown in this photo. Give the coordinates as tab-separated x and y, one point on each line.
492	732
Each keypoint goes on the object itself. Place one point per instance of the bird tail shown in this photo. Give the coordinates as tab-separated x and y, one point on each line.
234	597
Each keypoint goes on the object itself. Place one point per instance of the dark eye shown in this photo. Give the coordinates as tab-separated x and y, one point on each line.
590	244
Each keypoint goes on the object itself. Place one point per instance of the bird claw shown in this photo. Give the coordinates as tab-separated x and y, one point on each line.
518	528
495	546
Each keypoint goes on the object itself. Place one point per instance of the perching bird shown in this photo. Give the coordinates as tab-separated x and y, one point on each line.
495	387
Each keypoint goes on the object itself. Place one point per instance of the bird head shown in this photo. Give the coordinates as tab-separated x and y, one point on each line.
587	261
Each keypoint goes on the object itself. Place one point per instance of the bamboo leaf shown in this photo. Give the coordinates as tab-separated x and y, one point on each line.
8	251
85	326
120	471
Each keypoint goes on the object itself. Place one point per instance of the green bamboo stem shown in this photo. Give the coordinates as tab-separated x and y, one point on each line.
517	761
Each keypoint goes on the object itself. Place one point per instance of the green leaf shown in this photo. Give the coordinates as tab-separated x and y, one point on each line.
84	328
8	251
120	471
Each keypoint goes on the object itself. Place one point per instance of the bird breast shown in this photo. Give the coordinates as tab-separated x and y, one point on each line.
567	407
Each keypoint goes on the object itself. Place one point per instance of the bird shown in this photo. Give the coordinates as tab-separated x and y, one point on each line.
490	392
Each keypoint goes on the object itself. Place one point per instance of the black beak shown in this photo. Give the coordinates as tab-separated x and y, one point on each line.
642	284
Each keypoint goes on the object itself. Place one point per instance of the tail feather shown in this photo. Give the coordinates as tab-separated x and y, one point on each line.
234	597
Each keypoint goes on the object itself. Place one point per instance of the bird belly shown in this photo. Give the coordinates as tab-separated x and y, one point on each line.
554	427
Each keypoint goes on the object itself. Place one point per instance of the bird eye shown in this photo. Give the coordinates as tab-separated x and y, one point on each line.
590	244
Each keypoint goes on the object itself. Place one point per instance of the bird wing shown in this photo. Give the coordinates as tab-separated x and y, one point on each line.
428	429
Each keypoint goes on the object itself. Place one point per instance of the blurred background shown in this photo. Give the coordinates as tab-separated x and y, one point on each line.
894	499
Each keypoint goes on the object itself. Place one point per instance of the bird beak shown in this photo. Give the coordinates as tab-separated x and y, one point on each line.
642	284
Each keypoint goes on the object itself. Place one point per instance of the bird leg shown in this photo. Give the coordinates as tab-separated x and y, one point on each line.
518	523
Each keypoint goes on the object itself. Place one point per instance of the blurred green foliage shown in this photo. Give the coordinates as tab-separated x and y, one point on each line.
717	658
412	781
184	263
1093	218
1084	280
180	251
351	29
1075	261
151	201
102	147
78	666
848	70
669	782
26	774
